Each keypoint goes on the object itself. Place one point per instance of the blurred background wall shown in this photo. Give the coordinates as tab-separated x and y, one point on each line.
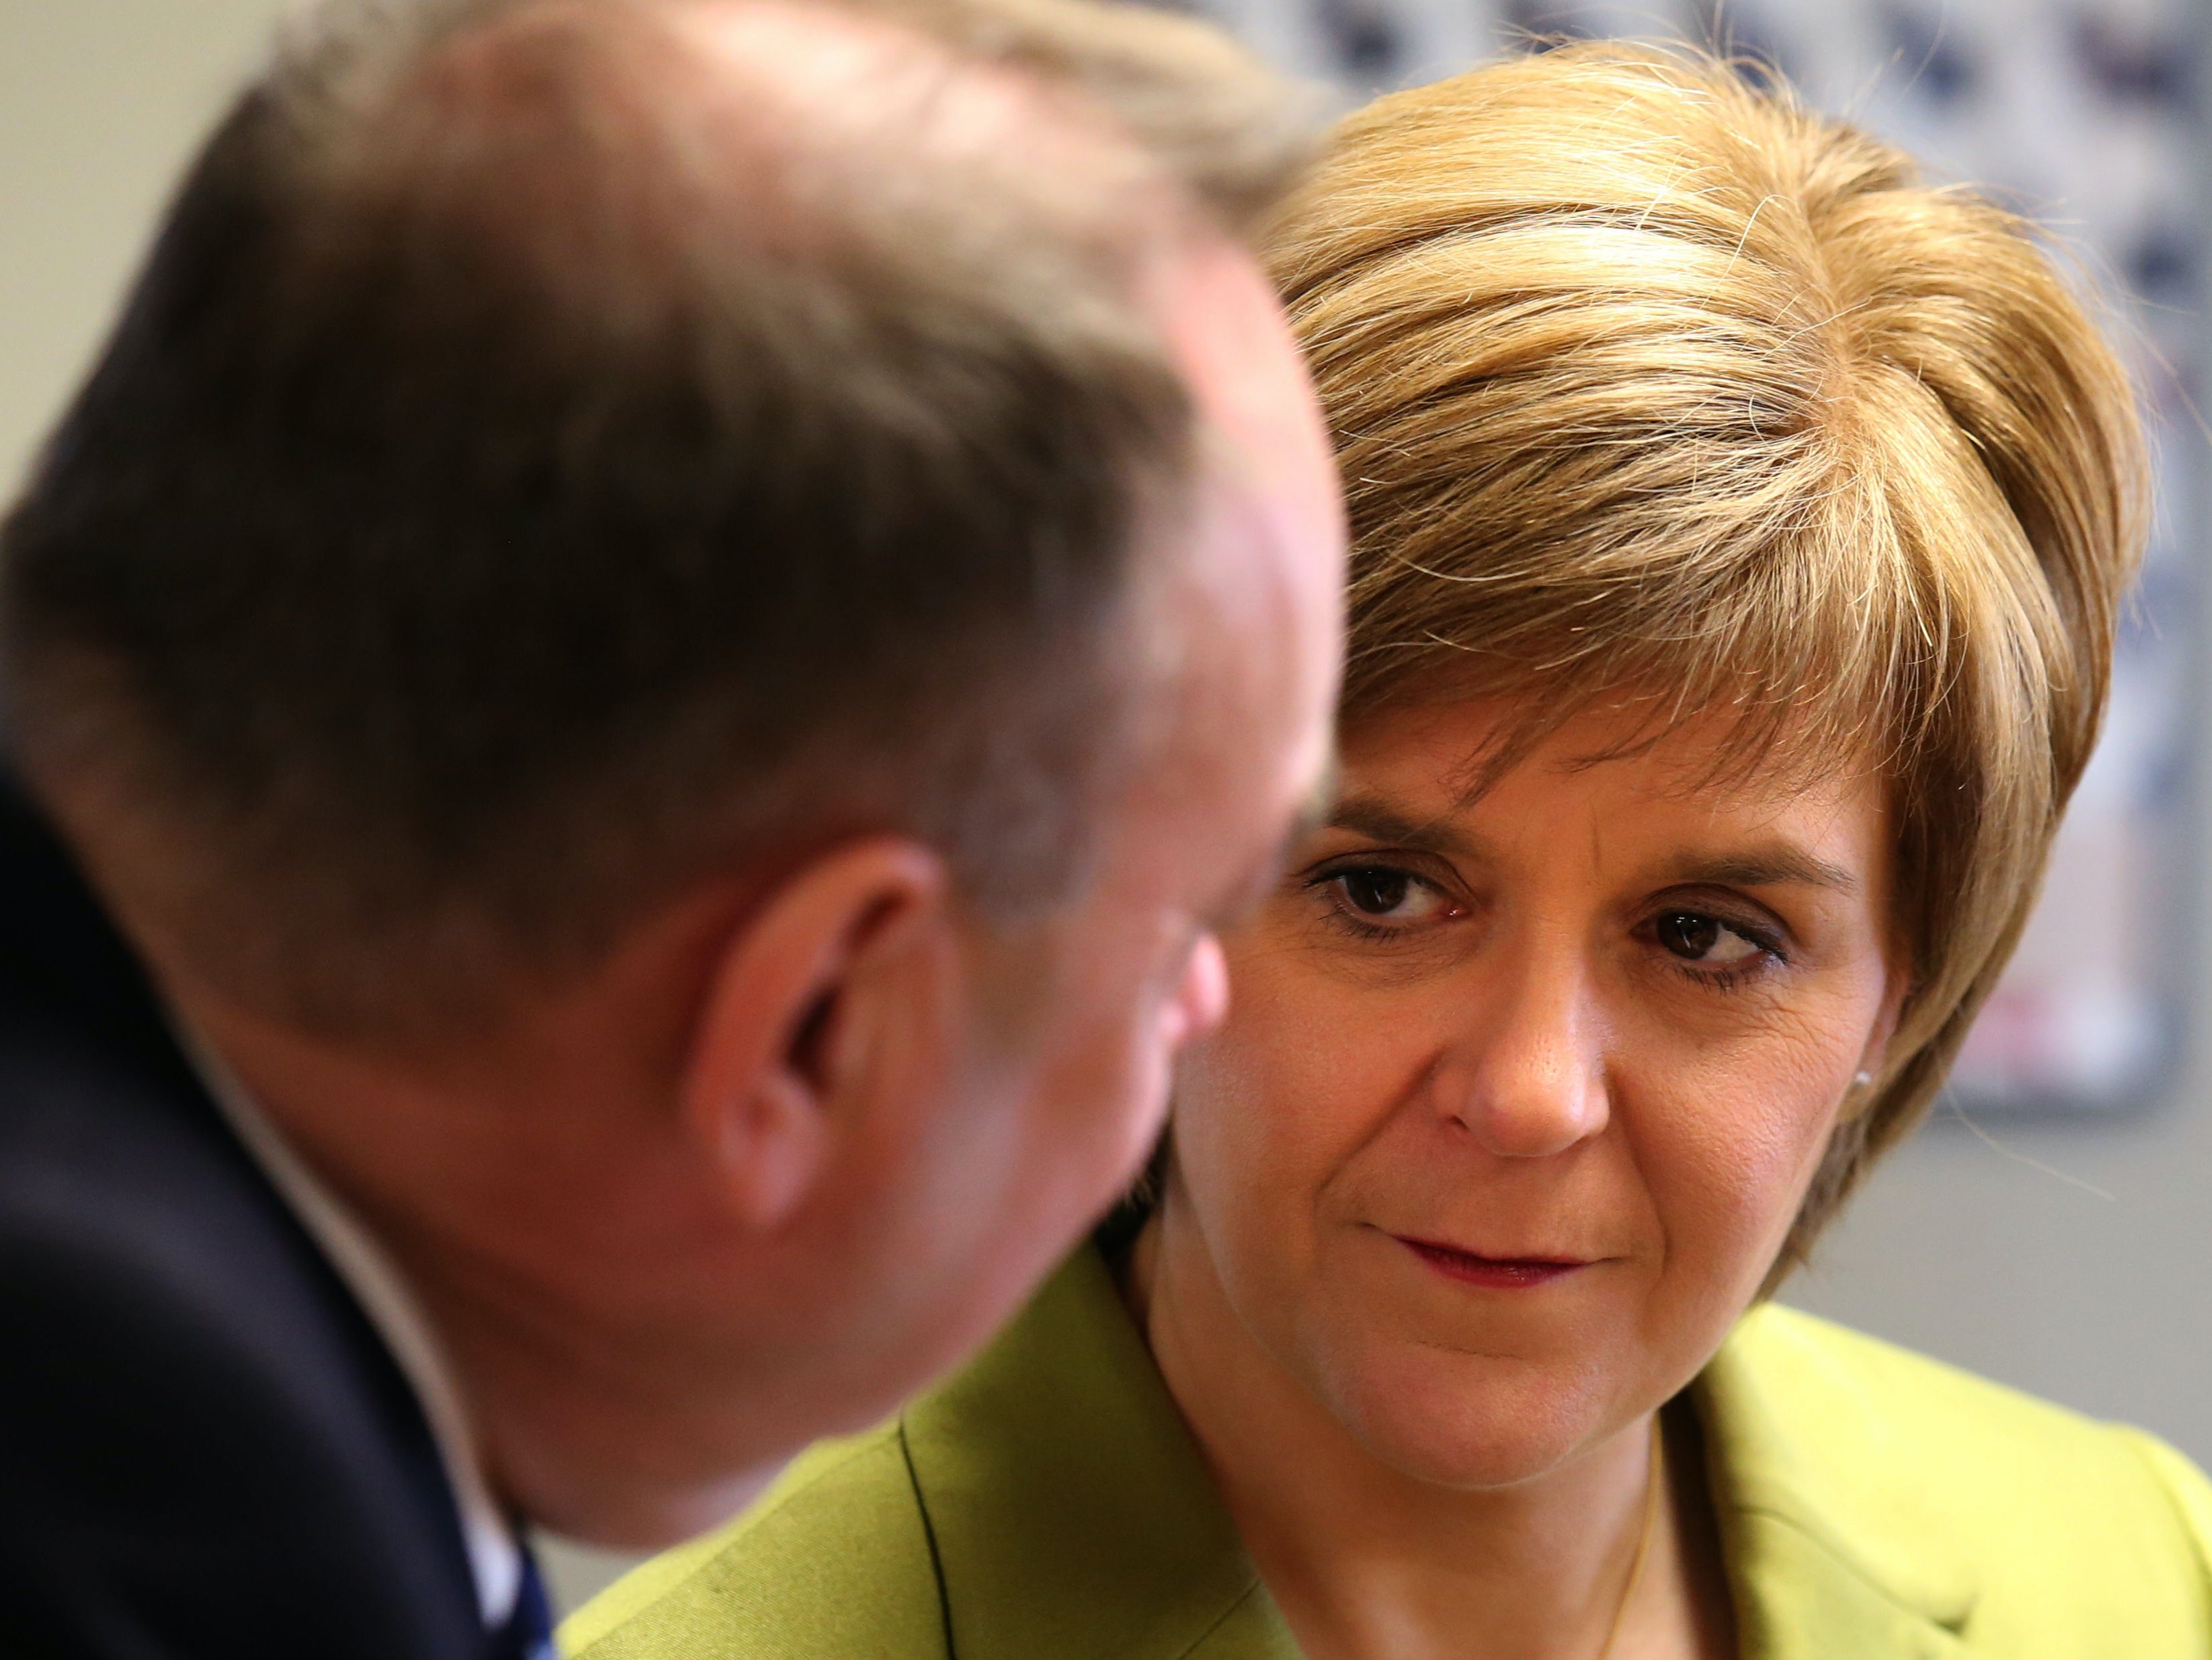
2053	1227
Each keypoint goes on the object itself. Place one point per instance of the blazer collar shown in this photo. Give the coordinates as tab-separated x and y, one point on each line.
1072	1514
1830	1544
1070	1510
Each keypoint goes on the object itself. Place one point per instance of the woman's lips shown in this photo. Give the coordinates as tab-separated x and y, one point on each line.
1497	1272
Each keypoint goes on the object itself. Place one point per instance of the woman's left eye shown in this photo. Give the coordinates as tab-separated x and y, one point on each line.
1697	938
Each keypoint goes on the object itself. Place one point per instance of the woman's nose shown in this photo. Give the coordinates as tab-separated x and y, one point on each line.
1528	1078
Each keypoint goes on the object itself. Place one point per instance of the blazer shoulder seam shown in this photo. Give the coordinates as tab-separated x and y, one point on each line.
863	1445
929	1538
1844	1559
2155	1456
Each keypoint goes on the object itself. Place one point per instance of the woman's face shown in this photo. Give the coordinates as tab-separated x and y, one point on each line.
1517	1097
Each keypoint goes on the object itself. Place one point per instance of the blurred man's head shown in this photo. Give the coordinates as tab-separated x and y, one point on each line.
670	622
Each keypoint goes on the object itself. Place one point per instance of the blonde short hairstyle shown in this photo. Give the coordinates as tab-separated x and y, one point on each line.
1646	380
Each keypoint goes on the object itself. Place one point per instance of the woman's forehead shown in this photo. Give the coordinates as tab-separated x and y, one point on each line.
1449	756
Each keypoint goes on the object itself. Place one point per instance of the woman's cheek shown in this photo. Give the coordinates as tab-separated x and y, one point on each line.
1740	1154
1250	1102
1272	1104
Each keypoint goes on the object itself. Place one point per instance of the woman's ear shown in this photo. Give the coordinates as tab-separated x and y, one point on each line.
817	989
1873	1059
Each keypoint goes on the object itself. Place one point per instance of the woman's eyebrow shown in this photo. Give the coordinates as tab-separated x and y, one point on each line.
1764	867
1381	822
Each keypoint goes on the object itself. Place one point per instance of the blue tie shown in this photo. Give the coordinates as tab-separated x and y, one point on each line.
528	1633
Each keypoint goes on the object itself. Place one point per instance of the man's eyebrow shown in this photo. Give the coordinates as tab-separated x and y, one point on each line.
1246	893
1765	868
1316	810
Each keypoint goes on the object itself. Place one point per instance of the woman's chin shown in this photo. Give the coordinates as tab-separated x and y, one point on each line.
1471	1421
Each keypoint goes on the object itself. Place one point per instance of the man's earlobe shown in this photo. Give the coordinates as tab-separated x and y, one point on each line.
786	1044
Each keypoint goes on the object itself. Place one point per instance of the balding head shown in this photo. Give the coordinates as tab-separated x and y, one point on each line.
564	447
648	145
669	625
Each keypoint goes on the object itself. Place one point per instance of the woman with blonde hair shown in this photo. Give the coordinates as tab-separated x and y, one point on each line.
1741	526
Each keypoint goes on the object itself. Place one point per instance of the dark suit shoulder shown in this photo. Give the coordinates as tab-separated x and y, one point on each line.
205	1449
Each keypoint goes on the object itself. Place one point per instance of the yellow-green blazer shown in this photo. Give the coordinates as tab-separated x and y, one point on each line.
1047	1505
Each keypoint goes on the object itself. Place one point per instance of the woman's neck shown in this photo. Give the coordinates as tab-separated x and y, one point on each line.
1367	1562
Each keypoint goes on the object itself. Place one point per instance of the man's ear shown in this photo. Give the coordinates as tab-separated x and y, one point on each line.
798	1011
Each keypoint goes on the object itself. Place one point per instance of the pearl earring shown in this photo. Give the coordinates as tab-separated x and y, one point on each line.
1862	1080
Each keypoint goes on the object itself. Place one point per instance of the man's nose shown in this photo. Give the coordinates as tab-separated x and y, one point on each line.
1200	1001
1528	1078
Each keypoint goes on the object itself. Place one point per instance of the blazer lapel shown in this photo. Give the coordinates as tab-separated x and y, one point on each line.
1071	1516
1253	1630
1829	1545
1071	1512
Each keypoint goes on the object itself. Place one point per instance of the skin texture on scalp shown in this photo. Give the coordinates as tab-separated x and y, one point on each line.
629	434
646	1320
740	822
1507	1053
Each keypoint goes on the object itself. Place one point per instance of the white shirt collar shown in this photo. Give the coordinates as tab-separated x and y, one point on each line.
494	1553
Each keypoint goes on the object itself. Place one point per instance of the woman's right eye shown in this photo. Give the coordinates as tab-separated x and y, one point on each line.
1372	894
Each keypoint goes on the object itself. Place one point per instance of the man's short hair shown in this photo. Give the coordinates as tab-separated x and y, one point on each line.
539	467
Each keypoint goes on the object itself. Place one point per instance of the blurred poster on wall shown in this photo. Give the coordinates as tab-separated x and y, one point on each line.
2087	116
